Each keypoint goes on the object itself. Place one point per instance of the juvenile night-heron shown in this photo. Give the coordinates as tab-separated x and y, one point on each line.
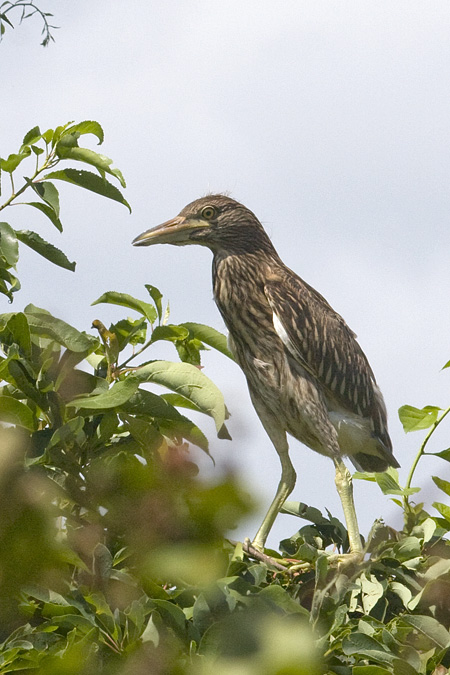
306	373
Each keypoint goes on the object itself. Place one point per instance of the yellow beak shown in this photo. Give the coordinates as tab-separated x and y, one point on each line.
171	232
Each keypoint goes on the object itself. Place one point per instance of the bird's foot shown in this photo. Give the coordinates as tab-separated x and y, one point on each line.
248	545
341	561
256	551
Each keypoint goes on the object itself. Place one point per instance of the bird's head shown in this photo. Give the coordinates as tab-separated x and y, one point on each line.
216	221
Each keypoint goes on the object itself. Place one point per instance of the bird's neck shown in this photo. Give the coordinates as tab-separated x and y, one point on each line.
238	282
242	240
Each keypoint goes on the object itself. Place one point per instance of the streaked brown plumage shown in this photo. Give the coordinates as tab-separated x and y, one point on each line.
306	373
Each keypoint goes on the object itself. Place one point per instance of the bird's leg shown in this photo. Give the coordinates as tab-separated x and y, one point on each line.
285	487
344	487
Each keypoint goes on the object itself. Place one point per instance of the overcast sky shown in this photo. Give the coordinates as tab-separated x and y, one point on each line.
330	120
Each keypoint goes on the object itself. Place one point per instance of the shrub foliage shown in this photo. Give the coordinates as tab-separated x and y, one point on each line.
113	551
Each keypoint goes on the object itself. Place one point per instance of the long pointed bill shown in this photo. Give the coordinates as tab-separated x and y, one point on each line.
165	233
175	231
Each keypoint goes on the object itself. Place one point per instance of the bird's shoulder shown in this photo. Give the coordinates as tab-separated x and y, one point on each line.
320	339
301	302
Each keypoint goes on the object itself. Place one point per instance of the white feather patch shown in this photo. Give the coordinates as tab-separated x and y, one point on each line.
290	346
282	334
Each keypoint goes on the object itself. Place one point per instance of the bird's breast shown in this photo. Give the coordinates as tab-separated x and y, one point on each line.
249	322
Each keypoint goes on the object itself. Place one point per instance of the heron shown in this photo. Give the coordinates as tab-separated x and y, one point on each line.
306	373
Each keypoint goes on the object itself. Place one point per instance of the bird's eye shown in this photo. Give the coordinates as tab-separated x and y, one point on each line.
208	212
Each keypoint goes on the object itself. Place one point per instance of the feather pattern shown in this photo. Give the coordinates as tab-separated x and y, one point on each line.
319	339
306	373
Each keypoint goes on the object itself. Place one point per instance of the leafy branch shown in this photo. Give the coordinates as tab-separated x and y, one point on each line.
422	449
417	419
113	554
49	149
28	9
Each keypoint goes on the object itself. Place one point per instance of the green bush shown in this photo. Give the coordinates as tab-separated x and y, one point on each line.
113	556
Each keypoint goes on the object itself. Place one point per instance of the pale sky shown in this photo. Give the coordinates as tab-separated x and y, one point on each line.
330	120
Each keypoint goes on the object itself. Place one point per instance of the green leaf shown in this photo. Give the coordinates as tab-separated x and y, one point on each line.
407	548
151	633
357	643
125	300
119	394
415	419
209	336
444	454
180	402
130	332
42	323
49	212
144	432
370	670
32	136
14	284
5	18
402	591
103	560
363	475
170	332
6	277
18	375
103	610
403	667
277	596
189	350
71	621
172	615
371	591
223	432
365	645
69	433
69	556
68	140
101	162
59	131
48	193
90	181
9	246
19	329
443	509
9	165
304	511
430	627
48	135
87	127
45	249
389	485
16	412
188	381
442	484
145	402
45	595
184	429
156	296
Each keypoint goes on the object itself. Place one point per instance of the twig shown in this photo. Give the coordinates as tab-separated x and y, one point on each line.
422	452
262	557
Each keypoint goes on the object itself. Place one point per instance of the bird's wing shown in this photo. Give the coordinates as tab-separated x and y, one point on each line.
318	338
